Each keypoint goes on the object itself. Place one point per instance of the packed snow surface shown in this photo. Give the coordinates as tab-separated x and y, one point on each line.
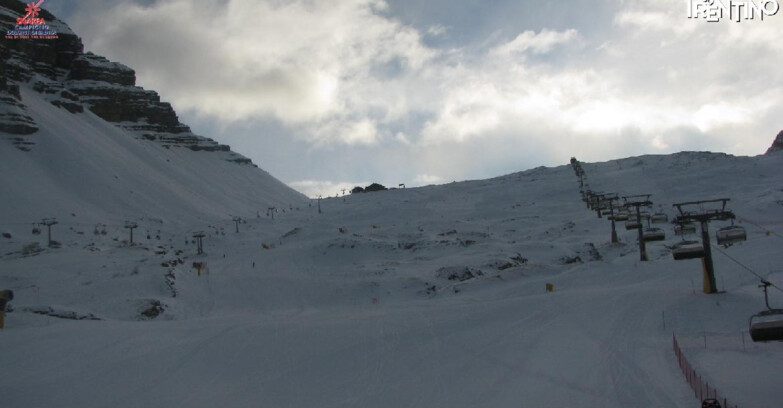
426	297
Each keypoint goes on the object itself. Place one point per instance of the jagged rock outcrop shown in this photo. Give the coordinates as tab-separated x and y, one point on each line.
26	58
91	67
77	81
110	91
120	104
13	115
777	144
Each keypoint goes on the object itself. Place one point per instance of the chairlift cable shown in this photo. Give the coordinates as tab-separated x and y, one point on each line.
743	265
760	227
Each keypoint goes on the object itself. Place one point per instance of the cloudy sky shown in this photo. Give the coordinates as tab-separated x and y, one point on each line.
328	94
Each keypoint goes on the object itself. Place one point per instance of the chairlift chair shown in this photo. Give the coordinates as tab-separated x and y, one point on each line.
653	234
659	218
632	224
682	229
36	230
731	235
621	216
688	250
710	403
768	324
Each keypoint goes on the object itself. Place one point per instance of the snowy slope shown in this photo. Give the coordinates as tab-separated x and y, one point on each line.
431	296
86	170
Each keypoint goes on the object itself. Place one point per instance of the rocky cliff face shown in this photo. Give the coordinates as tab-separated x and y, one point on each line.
777	144
77	81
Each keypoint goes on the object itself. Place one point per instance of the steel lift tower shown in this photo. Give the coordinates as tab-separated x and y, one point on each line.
694	212
638	201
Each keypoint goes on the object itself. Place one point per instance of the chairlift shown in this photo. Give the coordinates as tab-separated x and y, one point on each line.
632	224
768	324
682	229
731	235
653	234
659	218
688	250
620	216
710	403
36	230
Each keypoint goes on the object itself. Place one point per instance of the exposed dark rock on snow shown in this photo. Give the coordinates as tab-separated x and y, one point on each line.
152	309
460	274
369	189
374	187
777	144
77	81
91	67
61	314
13	115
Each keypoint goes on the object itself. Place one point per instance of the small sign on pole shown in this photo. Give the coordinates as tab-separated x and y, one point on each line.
199	266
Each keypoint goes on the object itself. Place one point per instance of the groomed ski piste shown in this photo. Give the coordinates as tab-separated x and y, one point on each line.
421	297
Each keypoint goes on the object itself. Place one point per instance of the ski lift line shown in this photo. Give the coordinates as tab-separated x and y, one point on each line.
743	266
760	227
120	224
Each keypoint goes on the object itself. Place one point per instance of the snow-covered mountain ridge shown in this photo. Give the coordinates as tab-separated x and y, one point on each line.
76	81
79	140
777	144
399	297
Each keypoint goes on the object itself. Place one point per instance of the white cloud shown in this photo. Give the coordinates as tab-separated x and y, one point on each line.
402	138
437	30
345	74
655	21
300	62
358	132
324	188
711	116
469	110
538	43
426	179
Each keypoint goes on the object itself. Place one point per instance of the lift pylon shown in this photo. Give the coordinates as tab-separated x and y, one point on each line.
638	201
606	202
48	222
694	211
200	247
131	226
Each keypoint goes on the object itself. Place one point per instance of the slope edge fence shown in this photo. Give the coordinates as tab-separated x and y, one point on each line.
701	389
